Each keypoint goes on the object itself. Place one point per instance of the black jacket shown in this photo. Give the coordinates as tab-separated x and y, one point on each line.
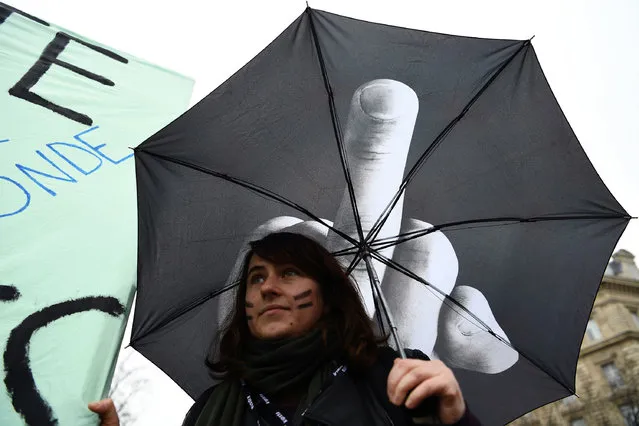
355	401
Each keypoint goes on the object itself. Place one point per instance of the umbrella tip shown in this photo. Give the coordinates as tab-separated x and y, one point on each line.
307	5
531	38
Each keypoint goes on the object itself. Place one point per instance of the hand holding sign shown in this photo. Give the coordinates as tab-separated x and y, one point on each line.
106	410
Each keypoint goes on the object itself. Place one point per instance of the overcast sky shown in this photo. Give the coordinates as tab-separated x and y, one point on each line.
587	49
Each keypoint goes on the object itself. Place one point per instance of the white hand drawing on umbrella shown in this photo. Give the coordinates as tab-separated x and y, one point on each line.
377	138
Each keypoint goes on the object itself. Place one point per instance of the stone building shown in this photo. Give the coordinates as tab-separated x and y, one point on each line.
608	367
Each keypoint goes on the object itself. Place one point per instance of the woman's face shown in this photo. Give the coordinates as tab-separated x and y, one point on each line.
280	300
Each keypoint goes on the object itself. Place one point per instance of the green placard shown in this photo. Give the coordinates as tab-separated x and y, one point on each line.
70	110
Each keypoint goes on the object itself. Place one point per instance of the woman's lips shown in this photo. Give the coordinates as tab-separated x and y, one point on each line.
274	309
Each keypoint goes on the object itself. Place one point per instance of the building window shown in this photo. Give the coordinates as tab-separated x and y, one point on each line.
630	414
592	330
635	317
577	422
612	374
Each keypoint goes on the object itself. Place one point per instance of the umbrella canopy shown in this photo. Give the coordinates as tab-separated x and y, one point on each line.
442	162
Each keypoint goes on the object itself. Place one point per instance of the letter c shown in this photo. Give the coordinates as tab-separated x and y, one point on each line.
25	397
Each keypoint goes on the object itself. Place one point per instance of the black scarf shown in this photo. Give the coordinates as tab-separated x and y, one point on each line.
272	366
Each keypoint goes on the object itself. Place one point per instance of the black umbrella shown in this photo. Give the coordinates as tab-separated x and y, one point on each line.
441	164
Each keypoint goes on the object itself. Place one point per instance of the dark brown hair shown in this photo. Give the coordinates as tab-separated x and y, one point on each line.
345	317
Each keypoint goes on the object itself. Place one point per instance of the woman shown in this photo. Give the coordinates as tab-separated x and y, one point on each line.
299	348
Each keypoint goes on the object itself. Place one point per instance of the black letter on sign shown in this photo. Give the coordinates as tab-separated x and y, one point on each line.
6	11
8	293
22	88
19	380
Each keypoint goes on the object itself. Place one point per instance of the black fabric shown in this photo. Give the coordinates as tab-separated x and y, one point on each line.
288	409
356	400
276	365
194	412
270	368
227	405
492	163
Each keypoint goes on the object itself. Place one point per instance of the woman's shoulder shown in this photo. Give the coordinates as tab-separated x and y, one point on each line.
194	412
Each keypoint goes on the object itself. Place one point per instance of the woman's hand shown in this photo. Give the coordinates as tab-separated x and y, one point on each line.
106	410
411	381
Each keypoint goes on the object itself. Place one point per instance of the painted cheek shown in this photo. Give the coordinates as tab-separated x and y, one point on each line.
248	311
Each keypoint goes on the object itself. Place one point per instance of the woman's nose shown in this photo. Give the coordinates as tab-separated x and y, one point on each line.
270	284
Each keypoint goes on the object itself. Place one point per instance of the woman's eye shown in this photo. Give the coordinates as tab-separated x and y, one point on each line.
290	273
256	279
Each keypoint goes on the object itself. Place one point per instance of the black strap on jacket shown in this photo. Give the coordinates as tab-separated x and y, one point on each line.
262	406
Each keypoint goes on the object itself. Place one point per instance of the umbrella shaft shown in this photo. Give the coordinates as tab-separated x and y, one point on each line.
377	289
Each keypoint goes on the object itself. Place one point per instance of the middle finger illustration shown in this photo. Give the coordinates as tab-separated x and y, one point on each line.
377	138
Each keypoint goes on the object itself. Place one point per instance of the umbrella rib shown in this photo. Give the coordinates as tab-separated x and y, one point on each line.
377	226
455	304
194	304
336	128
402	238
346	252
252	187
354	262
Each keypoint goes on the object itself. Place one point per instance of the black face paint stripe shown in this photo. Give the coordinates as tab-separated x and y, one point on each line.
25	396
305	305
248	304
303	294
